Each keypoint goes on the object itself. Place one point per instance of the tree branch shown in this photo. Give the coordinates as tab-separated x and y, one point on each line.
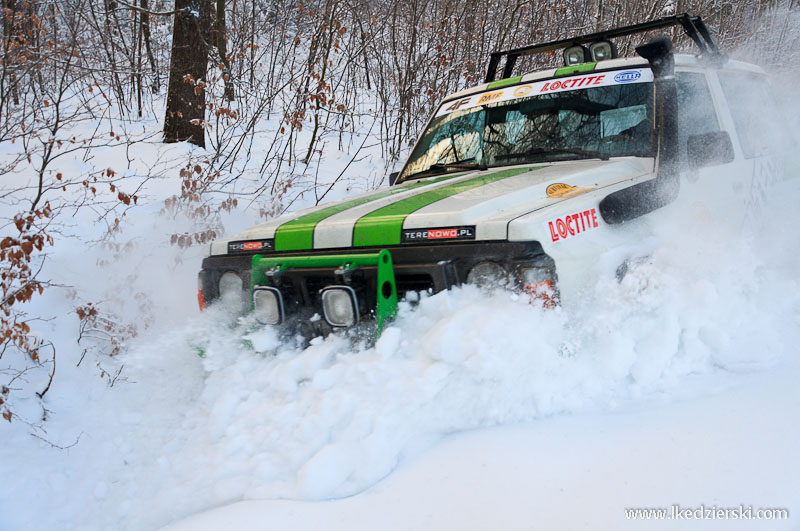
52	374
148	12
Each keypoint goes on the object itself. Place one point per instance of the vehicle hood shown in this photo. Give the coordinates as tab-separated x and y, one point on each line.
475	205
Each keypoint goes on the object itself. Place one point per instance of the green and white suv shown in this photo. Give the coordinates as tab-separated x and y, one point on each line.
521	180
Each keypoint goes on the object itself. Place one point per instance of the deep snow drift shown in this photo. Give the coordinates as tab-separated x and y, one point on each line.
256	419
720	444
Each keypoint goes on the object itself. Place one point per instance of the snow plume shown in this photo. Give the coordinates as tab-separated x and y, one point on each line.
257	418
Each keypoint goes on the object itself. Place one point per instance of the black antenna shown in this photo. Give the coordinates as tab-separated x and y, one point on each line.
693	26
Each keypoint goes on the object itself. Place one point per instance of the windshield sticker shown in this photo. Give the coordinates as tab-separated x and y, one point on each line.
628	76
572	225
490	97
457	105
564	191
550	86
447	233
524	90
575	82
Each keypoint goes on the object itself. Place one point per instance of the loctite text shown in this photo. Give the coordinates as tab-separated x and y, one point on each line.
563	228
573	83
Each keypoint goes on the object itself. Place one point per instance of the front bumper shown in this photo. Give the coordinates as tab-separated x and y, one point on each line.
301	275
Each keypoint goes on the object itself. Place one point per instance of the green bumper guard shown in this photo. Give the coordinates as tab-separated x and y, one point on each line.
387	289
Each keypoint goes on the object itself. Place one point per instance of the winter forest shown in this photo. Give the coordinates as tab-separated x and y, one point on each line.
193	112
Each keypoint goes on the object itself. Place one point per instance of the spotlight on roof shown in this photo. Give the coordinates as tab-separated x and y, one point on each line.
602	50
575	55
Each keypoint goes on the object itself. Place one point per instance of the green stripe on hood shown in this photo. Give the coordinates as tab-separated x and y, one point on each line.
298	234
383	226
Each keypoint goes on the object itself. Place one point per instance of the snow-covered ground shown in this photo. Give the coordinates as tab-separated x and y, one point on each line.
476	410
732	442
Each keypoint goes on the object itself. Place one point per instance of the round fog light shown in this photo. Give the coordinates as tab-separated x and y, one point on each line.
340	306
487	275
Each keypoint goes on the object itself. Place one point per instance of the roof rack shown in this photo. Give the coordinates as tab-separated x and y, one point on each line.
693	26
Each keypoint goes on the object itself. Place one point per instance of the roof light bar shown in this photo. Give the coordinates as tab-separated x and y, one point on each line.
693	26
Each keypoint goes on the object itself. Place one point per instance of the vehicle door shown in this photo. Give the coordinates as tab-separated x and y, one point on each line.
757	127
714	193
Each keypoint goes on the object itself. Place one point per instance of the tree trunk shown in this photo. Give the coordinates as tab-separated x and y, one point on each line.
219	40
145	20
186	96
10	45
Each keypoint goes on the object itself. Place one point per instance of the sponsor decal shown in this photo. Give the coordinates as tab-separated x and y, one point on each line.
572	83
438	234
489	97
250	246
563	191
572	225
458	104
627	76
576	82
524	90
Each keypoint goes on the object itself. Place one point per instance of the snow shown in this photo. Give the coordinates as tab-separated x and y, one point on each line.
474	410
577	471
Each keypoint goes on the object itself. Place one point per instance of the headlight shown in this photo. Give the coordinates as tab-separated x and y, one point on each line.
340	306
230	286
267	305
487	275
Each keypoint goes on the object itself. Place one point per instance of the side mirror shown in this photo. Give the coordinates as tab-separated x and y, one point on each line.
709	149
393	177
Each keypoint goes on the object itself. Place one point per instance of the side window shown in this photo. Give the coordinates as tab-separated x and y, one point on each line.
753	109
696	112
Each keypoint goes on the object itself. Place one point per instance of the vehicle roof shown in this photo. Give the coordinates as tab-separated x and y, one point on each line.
681	61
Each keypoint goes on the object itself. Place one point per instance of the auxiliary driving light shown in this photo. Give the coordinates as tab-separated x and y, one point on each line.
602	50
339	305
487	275
575	55
267	305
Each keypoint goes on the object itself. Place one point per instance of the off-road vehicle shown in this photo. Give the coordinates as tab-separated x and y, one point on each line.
524	180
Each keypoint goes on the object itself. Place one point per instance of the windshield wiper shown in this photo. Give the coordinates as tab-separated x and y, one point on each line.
585	153
461	165
433	169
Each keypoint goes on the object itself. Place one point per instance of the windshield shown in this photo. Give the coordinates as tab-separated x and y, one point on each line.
588	116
